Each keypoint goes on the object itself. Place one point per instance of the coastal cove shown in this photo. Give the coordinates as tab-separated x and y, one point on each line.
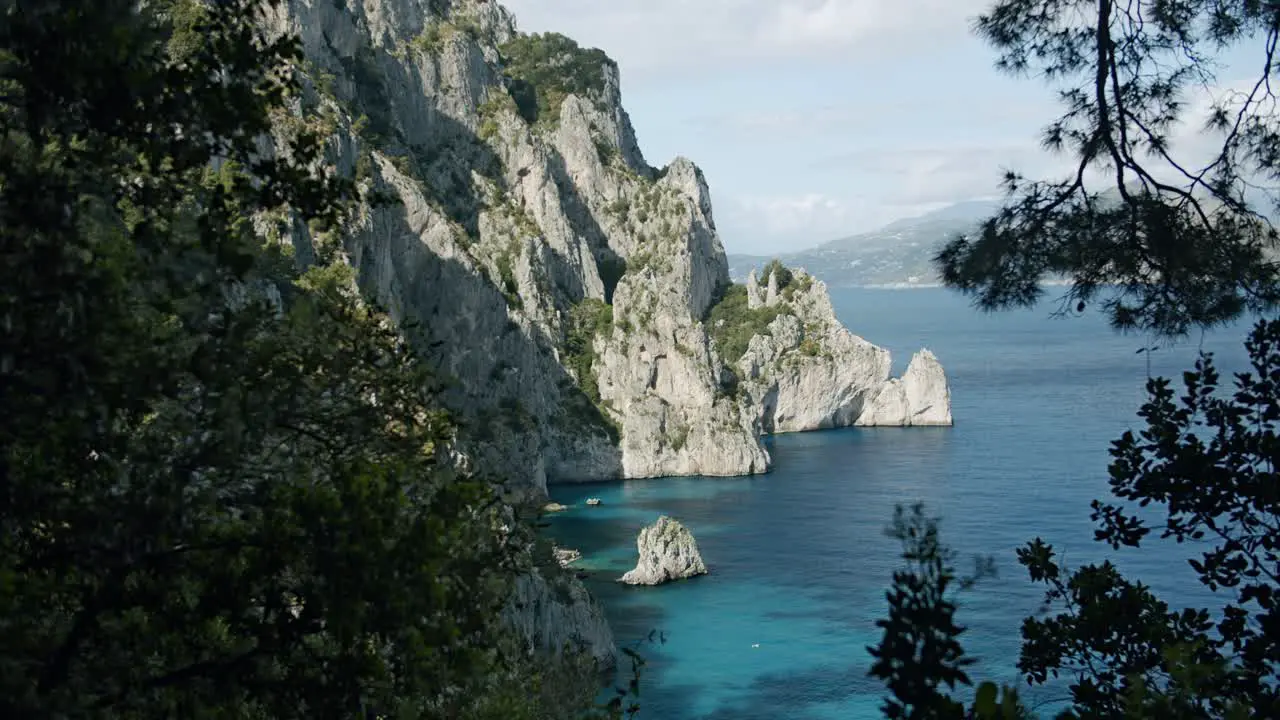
364	359
798	559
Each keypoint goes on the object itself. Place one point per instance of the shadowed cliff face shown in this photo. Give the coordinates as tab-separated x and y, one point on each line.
557	282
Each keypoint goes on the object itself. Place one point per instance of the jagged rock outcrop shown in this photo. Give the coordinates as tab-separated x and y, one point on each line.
771	293
656	370
806	371
667	552
921	397
754	298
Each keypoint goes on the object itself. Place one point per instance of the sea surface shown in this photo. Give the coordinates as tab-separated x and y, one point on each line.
798	557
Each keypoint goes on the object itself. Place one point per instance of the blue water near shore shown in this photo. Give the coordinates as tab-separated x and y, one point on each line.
798	557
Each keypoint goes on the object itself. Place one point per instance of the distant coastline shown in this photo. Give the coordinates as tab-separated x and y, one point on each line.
922	286
926	286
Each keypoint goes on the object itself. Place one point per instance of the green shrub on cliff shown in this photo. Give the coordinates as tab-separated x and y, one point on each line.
731	324
784	274
587	320
544	68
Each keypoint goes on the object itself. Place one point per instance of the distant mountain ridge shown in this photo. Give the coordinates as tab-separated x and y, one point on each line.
899	254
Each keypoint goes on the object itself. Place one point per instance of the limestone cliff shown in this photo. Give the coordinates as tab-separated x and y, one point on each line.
804	370
567	291
560	283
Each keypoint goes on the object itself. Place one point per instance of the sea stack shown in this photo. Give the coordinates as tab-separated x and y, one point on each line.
667	552
921	397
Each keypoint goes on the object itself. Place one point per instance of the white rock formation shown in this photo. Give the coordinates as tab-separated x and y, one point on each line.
920	397
809	372
754	298
667	552
771	294
505	226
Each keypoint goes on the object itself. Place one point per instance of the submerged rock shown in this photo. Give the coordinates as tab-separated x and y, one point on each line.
667	552
567	556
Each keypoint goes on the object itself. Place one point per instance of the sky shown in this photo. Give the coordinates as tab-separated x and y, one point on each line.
815	119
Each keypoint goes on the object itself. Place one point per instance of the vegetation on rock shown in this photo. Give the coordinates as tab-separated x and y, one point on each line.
544	68
506	280
587	320
777	269
585	409
731	324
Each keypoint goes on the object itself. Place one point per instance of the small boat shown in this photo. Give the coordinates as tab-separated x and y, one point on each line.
593	501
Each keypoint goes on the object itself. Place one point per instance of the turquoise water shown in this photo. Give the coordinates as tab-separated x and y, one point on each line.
799	562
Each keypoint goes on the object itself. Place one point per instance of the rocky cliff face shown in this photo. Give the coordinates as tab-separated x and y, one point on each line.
807	371
566	290
556	279
920	397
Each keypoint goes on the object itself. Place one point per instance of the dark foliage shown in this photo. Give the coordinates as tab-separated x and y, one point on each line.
225	485
1160	245
920	651
782	272
731	323
1208	464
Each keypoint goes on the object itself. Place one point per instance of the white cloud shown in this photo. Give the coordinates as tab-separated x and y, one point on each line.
804	122
790	215
646	35
816	24
881	185
770	224
929	174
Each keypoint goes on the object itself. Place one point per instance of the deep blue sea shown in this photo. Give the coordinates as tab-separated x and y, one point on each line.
799	560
